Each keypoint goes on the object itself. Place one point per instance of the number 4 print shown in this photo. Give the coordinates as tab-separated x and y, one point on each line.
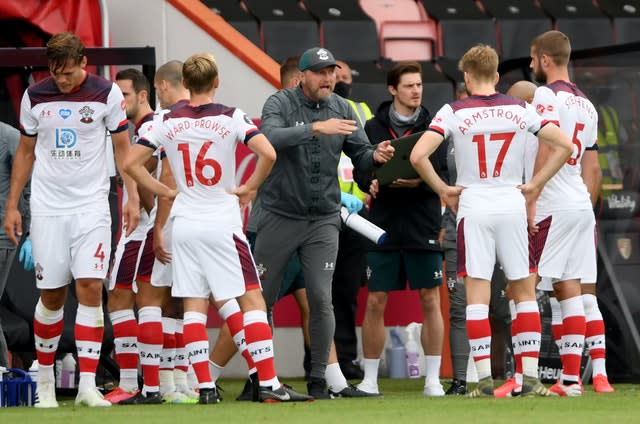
201	163
482	155
99	252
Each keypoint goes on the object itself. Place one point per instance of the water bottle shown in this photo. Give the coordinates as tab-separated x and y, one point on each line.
68	372
396	355
33	370
413	351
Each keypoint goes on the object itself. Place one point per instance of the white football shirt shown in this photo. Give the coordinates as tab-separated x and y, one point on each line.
565	105
489	134
200	143
70	173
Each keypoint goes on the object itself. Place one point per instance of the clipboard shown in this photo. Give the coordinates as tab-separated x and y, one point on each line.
399	166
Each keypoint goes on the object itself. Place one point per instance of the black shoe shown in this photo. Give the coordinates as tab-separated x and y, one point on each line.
151	398
317	387
219	390
457	388
250	390
282	394
208	396
351	371
352	391
306	363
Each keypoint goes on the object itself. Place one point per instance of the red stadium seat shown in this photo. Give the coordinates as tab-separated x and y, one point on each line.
408	40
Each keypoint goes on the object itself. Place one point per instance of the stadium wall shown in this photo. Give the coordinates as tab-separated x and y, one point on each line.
176	36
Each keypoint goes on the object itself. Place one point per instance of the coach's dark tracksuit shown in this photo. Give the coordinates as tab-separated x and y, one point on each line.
301	204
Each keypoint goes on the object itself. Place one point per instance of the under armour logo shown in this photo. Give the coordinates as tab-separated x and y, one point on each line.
437	275
329	266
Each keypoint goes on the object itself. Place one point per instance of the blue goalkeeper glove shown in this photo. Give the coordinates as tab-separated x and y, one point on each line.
351	202
25	255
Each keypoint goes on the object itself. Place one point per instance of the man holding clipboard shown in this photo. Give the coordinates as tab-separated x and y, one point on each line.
410	212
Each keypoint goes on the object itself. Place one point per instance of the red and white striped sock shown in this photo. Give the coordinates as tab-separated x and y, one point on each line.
517	354
125	341
260	345
594	335
181	362
556	322
479	333
89	331
573	326
150	346
197	346
231	313
167	355
529	336
47	328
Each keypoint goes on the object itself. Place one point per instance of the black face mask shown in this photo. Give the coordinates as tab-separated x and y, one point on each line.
342	89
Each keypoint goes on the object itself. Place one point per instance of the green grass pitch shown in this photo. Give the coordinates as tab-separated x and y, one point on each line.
403	402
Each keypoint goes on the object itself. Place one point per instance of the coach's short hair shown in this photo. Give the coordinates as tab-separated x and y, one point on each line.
554	44
480	62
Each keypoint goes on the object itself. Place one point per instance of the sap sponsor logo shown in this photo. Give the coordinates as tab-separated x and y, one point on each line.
65	113
87	114
149	355
623	201
260	351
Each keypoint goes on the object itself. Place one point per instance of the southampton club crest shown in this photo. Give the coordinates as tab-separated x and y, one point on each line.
87	114
624	247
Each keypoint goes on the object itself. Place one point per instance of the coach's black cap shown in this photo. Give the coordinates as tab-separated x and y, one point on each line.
316	59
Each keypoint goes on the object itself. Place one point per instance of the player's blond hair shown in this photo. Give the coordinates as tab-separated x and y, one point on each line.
480	62
199	72
554	44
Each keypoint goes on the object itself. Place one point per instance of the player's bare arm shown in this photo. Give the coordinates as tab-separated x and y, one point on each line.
266	158
426	145
131	210
20	172
134	166
162	214
147	199
591	174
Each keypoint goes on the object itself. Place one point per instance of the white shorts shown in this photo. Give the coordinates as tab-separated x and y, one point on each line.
210	257
568	249
161	273
482	237
70	246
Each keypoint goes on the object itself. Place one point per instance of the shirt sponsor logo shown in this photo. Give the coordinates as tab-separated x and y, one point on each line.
87	114
65	113
45	113
66	138
540	109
